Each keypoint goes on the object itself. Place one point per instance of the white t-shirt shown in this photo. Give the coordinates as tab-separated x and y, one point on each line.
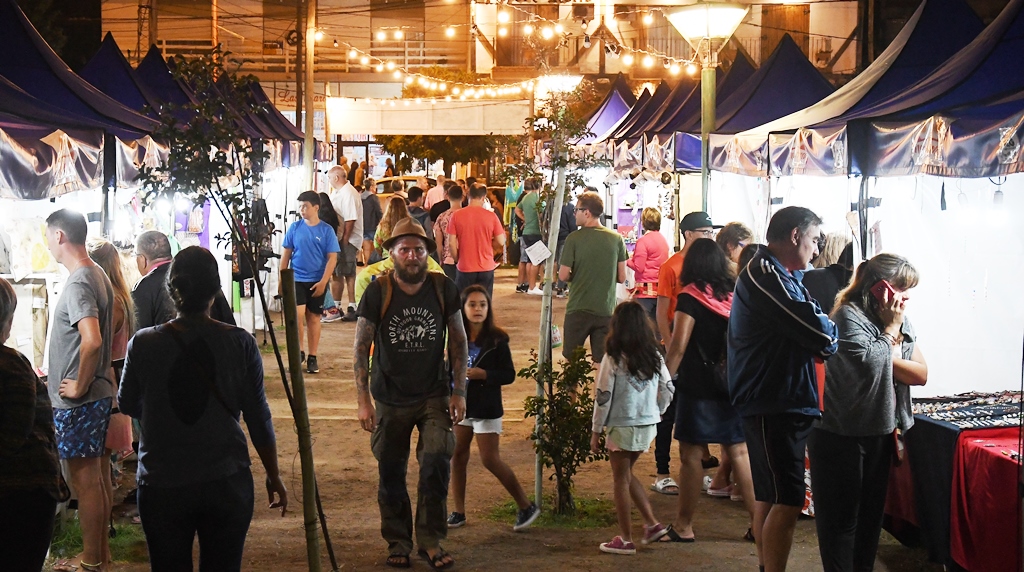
349	206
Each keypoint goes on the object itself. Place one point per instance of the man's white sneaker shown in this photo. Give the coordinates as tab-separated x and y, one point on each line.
535	292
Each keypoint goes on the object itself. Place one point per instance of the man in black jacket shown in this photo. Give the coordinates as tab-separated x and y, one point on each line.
153	305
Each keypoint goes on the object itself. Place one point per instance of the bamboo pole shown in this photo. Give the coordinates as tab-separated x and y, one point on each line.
301	414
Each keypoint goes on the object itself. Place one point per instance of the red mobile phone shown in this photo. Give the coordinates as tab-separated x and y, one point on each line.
879	290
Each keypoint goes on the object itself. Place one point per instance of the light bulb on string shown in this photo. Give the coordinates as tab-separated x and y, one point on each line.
390	65
627	59
419	100
318	35
450	32
398	74
409	80
528	29
380	67
462	98
335	43
691	68
648	18
442	86
364	61
381	36
673	69
547	33
399	34
352	54
502	32
559	28
647	61
456	90
503	17
448	98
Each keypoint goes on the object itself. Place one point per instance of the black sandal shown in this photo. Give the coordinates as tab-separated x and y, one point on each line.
672	536
398	560
437	561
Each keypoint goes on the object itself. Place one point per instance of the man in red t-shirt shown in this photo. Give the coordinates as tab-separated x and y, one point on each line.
473	234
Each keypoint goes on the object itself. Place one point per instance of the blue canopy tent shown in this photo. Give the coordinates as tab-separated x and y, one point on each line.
687	116
924	43
44	150
615	106
110	72
758	101
640	114
33	66
988	69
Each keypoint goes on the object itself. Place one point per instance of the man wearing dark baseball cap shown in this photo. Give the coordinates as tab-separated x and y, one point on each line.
694	226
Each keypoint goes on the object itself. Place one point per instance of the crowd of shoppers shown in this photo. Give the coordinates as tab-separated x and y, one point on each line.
718	345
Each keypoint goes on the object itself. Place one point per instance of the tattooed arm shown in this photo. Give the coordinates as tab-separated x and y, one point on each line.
365	332
458	355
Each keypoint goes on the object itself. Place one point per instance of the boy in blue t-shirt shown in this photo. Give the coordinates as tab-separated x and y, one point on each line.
311	248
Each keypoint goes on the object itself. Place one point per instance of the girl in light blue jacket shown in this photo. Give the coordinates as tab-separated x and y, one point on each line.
634	389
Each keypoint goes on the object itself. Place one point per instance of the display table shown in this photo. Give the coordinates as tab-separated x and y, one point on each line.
983	531
955	495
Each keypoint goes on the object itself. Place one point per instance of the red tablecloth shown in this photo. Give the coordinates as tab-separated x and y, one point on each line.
984	532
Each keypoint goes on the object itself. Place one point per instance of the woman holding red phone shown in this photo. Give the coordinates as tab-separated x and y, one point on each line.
867	405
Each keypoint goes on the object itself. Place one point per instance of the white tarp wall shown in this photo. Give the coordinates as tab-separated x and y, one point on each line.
967	310
737	198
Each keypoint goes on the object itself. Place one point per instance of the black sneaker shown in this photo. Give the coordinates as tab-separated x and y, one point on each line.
456	519
311	365
526	517
350	315
709	463
302	356
522	288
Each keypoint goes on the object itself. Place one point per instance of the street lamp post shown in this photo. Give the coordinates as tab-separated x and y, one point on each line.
707	26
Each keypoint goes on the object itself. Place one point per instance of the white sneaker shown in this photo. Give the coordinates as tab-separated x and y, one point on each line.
706	484
535	292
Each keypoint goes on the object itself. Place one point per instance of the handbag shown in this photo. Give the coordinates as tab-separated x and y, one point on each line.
719	386
898	446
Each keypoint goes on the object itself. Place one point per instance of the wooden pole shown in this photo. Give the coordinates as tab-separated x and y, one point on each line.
307	149
301	413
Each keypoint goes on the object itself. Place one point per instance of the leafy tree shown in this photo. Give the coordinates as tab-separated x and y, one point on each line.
564	413
212	159
47	20
450	148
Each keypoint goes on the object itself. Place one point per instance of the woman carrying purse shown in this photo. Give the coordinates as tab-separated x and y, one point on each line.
867	403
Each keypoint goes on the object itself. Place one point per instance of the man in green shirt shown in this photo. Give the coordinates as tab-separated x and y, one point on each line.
594	260
526	210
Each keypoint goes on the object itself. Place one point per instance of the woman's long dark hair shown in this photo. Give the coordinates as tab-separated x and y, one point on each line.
327	212
490	334
706	265
631	341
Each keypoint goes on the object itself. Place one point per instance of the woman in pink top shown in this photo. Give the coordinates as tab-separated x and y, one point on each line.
103	253
650	252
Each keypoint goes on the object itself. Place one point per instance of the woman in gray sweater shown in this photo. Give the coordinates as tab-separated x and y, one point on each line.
867	401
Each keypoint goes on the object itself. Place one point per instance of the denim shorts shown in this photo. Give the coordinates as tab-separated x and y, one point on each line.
82	430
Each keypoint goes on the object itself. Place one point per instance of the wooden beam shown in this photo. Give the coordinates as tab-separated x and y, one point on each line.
488	46
842	49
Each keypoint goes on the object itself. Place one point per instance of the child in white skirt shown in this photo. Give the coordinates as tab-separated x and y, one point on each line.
633	390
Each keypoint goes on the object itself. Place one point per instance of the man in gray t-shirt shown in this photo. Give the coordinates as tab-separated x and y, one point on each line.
80	378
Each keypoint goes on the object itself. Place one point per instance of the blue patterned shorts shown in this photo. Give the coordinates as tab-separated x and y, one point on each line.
82	431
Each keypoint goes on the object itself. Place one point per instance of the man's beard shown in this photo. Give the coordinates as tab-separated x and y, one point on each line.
411	272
